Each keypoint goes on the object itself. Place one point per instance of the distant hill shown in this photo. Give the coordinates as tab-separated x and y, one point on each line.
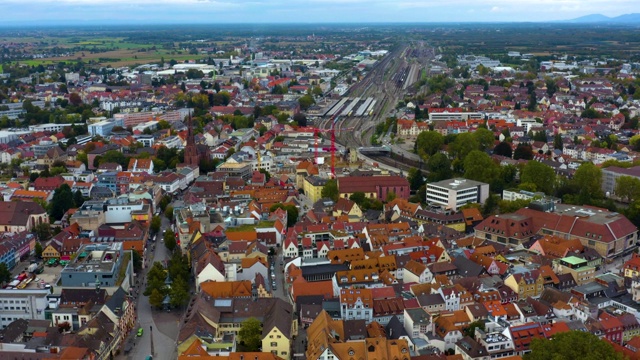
599	18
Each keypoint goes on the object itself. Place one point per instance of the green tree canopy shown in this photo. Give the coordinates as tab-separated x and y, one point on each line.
61	202
179	292
251	334
588	179
330	190
78	199
5	274
156	222
523	151
292	212
114	156
156	298
170	240
416	179
503	149
306	101
627	188
439	167
539	174
485	138
572	345
479	166
38	249
428	143
463	145
43	231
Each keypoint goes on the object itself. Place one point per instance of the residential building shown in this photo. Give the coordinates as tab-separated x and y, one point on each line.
313	186
526	284
454	193
577	267
356	304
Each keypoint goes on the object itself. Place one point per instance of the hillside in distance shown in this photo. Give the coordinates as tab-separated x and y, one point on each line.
599	18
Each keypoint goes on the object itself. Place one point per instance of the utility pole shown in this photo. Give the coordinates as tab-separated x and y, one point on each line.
153	353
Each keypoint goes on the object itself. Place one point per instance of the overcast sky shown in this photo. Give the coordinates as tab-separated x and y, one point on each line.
34	12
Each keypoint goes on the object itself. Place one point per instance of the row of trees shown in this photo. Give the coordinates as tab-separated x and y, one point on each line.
469	157
177	272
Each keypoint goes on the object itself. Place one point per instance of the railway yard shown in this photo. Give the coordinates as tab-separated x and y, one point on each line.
370	101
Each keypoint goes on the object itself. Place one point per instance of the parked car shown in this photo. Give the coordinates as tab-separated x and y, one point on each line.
140	332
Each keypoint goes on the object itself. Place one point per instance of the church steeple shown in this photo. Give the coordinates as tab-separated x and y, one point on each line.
191	152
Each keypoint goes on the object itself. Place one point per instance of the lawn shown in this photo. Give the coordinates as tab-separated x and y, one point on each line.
123	268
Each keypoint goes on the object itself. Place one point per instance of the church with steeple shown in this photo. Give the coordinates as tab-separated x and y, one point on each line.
191	156
193	152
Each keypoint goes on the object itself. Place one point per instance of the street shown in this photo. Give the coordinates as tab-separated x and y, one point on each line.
164	324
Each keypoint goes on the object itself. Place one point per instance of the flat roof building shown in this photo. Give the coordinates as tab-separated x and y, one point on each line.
454	193
97	264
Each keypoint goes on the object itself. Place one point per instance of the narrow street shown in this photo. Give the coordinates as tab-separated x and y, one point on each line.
161	325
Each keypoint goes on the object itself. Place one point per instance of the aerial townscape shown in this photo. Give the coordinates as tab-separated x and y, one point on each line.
320	191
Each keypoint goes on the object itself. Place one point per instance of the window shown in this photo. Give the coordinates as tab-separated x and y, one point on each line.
274	344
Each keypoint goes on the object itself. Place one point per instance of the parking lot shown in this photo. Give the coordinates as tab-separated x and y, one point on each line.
50	275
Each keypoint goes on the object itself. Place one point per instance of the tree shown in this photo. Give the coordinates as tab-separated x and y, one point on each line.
572	345
61	202
168	212
588	179
75	99
330	190
267	174
503	149
43	231
300	119
156	298
463	145
38	250
179	293
485	138
416	179
78	199
5	274
251	334
523	151
156	222
627	188
479	166
164	202
428	143
170	240
137	261
471	330
358	197
306	101
539	174
390	196
557	142
439	167
533	102
292	212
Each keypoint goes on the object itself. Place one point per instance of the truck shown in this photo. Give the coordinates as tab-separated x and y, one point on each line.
36	268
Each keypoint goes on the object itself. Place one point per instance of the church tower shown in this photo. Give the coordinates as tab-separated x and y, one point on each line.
190	151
